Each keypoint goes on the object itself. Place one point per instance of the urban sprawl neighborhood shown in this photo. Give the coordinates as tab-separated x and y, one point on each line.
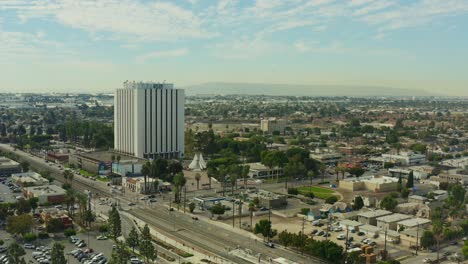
149	174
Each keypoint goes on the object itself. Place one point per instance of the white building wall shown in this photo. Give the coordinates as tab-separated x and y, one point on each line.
149	120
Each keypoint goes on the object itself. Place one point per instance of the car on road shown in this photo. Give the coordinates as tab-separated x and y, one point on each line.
131	204
151	196
29	246
360	233
427	260
270	245
194	218
101	237
144	198
135	260
170	209
152	200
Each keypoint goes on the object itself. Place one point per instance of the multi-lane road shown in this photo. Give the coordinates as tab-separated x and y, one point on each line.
200	234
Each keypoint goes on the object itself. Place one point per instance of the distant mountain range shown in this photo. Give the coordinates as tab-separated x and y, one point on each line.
300	90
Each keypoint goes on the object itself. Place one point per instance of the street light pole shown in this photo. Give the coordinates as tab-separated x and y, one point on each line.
417	238
233	216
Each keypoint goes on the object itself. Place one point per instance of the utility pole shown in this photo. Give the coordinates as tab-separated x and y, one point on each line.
233	209
240	215
302	236
269	220
346	245
417	239
185	197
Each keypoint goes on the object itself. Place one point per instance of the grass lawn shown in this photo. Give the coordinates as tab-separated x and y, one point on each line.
86	173
319	192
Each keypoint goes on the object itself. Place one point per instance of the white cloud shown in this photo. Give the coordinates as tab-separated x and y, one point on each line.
161	54
417	14
127	19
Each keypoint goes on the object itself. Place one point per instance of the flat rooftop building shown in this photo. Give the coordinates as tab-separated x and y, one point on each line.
370	183
370	217
414	223
8	167
29	178
389	222
50	194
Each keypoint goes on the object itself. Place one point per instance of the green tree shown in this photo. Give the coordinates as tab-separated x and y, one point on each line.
24	166
405	193
427	239
217	209
20	224
191	207
179	182
356	171
358	203
263	227
400	184
331	199
410	181
15	252
114	223
198	178
57	256
146	171
465	249
33	203
23	207
120	254
388	203
132	240
147	249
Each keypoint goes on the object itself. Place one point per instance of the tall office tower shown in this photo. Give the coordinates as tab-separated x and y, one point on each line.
149	120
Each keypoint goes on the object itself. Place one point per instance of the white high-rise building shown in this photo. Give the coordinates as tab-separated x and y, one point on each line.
149	120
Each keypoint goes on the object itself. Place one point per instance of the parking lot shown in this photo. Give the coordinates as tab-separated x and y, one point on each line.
44	245
6	194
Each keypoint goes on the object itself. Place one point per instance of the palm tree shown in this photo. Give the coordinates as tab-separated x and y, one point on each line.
197	178
252	209
70	199
337	171
322	169
210	173
68	175
113	160
146	170
179	182
245	173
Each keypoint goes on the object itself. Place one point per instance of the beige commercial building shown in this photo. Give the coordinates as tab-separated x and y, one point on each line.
8	167
29	178
370	183
390	222
271	125
370	217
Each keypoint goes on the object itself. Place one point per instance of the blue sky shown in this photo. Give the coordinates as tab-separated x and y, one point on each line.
95	45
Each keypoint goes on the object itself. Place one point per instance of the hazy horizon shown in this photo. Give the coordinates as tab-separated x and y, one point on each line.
93	46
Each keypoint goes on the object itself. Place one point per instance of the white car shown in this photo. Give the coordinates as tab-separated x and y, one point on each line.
341	236
427	260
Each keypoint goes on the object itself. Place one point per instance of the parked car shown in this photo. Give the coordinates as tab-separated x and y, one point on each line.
29	246
341	236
